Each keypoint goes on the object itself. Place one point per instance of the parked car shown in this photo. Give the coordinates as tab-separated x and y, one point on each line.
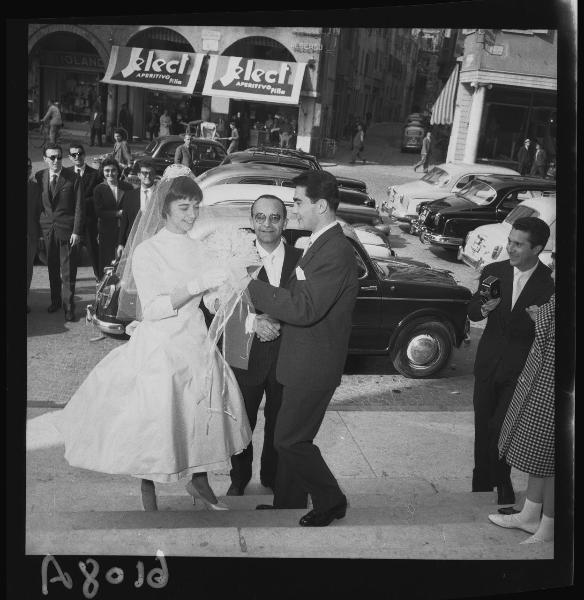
410	313
488	243
292	159
237	194
486	200
208	154
441	181
358	207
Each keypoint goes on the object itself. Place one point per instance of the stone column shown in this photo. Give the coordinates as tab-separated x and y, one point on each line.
111	111
474	122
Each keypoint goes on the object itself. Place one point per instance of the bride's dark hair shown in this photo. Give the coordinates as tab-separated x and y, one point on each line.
179	188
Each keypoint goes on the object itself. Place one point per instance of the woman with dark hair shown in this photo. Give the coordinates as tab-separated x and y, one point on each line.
121	151
163	406
107	200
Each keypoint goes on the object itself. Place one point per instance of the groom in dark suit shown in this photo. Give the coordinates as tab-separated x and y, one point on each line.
504	346
268	219
316	309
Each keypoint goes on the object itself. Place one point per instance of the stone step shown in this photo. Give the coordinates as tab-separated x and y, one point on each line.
365	532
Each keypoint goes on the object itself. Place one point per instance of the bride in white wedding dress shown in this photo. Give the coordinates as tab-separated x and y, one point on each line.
164	405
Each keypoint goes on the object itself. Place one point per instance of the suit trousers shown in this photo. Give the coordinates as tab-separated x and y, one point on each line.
92	245
62	261
423	162
95	133
241	464
491	400
32	245
301	467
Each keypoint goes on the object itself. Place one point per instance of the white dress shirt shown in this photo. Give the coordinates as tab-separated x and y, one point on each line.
79	170
316	234
520	278
145	196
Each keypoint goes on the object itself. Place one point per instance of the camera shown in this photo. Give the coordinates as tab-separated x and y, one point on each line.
490	288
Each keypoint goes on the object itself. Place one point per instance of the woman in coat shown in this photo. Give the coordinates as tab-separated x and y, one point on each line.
527	437
107	199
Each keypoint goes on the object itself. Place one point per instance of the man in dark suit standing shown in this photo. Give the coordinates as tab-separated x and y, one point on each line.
90	177
135	201
96	125
268	219
504	346
62	223
316	310
524	158
539	167
183	155
33	230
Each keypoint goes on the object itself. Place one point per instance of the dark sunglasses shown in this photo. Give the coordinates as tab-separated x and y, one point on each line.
261	218
76	154
147	173
55	157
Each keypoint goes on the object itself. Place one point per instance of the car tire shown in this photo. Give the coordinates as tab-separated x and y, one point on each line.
422	349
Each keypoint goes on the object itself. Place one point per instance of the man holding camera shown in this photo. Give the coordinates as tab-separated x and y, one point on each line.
507	291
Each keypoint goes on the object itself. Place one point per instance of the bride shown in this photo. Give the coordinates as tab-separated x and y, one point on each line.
164	406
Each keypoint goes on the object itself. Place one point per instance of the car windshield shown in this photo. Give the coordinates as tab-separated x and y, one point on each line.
437	177
479	192
519	212
150	148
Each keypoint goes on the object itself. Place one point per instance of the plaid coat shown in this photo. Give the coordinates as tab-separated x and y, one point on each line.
527	437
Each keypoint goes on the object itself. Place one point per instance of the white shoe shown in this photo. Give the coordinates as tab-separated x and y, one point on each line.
513	522
535	539
192	490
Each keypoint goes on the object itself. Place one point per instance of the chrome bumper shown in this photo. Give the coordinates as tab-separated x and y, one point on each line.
467	260
104	326
440	240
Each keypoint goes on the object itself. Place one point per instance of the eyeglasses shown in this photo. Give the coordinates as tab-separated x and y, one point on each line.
147	174
261	218
54	157
76	154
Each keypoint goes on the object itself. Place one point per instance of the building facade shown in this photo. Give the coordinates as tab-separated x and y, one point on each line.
67	64
507	92
375	75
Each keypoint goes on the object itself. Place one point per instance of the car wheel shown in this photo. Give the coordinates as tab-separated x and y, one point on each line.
422	349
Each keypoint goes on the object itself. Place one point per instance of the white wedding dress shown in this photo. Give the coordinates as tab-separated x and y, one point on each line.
164	405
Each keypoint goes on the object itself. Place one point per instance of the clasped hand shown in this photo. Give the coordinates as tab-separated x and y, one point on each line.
266	328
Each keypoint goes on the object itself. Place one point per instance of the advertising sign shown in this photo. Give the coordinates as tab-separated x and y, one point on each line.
166	70
254	79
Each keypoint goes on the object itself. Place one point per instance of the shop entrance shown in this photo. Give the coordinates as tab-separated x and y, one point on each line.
66	68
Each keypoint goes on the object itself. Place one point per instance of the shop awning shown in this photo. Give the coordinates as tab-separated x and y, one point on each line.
254	79
443	109
165	70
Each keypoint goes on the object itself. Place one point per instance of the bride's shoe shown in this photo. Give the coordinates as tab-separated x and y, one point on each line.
192	490
149	497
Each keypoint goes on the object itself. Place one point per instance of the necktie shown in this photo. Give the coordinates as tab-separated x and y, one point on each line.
53	186
78	171
146	197
307	247
518	287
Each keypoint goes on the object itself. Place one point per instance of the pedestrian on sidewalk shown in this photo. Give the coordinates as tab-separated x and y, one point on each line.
233	139
504	346
425	153
316	310
527	437
53	121
96	125
33	230
539	166
357	145
121	152
62	223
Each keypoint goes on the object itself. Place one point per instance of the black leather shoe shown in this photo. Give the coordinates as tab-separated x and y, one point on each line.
505	494
323	518
234	490
268	484
265	507
69	312
55	306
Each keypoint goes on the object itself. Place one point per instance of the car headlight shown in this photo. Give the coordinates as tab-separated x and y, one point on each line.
105	296
496	252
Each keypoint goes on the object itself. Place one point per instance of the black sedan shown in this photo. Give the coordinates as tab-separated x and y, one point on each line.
207	154
405	310
292	159
485	200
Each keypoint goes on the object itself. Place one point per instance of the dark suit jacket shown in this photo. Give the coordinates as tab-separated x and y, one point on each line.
523	159
65	211
34	207
91	178
263	355
184	156
317	313
130	207
539	159
508	335
105	205
98	121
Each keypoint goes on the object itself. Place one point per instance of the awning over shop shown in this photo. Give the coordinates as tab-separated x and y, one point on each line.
443	109
165	70
254	79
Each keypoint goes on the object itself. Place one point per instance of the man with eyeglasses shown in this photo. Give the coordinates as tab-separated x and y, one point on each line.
62	224
90	177
268	219
135	201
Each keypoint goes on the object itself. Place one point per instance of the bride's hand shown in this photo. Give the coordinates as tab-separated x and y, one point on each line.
212	278
238	278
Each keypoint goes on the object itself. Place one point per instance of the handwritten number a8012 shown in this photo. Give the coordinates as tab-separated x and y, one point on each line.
64	578
157	577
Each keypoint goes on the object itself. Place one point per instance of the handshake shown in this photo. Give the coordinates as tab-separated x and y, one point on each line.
266	328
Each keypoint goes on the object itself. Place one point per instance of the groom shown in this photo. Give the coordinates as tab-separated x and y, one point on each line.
316	308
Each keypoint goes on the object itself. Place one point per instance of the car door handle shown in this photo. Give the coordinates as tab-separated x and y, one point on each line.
369	288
